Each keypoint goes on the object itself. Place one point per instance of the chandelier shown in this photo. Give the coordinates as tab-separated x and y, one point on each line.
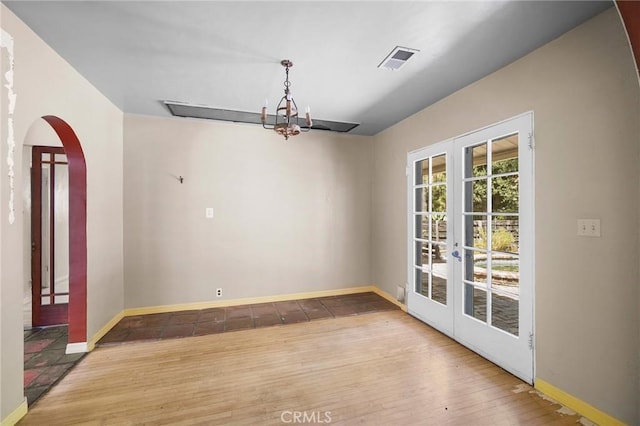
287	118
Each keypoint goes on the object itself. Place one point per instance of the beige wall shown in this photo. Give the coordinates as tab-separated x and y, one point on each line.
585	97
289	216
47	85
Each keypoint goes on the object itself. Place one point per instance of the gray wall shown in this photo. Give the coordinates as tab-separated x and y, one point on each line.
584	93
289	217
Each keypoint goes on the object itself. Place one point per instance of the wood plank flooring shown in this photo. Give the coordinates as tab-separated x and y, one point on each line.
382	368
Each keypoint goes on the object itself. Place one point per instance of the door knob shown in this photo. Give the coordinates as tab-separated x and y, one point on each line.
456	254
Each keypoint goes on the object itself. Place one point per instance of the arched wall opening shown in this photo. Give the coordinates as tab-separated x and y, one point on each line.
56	132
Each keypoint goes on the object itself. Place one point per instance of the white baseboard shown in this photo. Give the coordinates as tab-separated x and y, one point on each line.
77	348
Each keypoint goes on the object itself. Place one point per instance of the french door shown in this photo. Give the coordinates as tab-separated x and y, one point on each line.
49	236
470	268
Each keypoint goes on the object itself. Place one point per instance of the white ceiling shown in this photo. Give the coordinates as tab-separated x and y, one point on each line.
227	54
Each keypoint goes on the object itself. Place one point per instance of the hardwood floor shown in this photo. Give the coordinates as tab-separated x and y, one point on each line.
381	368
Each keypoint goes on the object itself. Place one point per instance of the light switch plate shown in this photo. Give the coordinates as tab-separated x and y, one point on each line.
589	227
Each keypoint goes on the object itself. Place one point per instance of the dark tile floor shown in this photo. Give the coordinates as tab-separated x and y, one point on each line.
45	361
219	320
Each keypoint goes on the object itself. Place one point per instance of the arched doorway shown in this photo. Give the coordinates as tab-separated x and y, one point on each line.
77	240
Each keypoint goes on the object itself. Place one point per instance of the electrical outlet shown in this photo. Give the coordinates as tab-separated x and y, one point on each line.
218	292
208	212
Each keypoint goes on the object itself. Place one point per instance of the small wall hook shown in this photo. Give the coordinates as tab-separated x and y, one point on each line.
181	179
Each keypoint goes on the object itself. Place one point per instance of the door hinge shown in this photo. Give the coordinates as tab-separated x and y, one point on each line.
531	141
531	341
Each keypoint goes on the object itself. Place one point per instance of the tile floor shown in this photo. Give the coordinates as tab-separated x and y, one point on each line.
45	361
220	320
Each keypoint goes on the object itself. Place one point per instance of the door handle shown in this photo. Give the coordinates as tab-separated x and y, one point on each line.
456	254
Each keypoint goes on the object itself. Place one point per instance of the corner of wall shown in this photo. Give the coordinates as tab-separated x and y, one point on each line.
16	415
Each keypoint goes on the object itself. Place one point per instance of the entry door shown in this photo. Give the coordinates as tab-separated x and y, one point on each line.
49	236
490	243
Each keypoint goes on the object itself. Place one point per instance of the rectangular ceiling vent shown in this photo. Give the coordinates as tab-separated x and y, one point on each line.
179	109
397	58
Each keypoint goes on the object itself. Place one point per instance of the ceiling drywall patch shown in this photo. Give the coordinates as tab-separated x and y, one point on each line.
6	42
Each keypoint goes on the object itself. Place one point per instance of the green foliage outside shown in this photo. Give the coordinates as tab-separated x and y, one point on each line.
501	240
504	197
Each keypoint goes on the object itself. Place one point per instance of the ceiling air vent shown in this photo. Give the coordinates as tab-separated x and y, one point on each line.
397	58
180	109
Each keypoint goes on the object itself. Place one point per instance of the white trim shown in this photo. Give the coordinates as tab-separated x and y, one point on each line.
77	348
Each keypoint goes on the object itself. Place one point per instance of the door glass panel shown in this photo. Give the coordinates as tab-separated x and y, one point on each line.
439	228
504	194
504	154
422	172
422	282
504	312
422	199
439	168
475	266
422	254
475	231
45	245
62	299
439	198
505	272
479	161
492	240
422	227
439	278
477	190
61	229
475	303
46	300
505	234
